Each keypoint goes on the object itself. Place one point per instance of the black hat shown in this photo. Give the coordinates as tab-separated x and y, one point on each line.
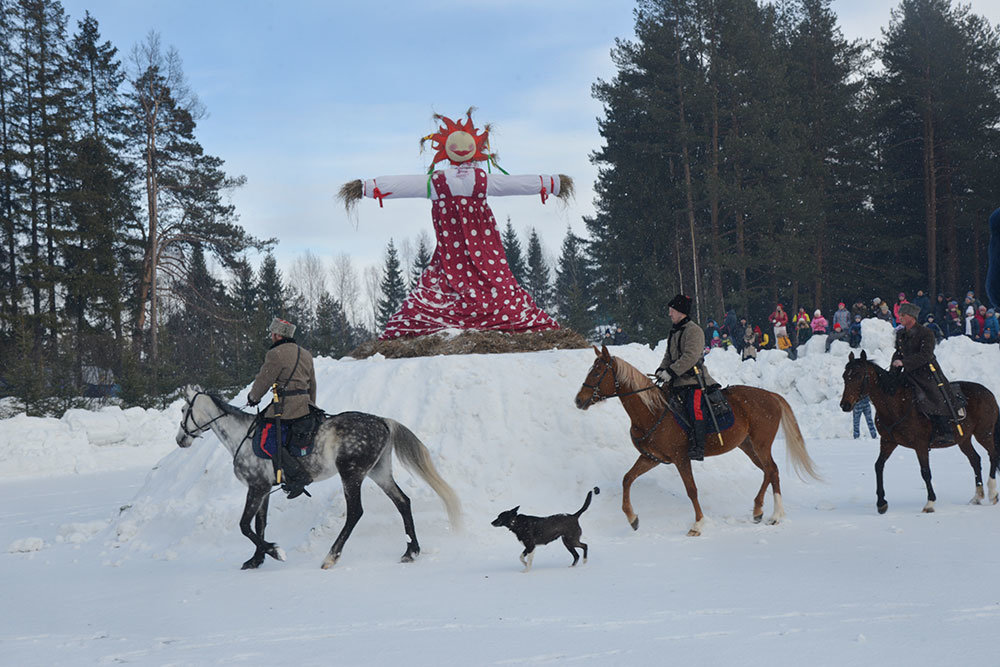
681	303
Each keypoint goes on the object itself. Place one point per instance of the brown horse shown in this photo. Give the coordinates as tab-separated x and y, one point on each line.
659	439
899	423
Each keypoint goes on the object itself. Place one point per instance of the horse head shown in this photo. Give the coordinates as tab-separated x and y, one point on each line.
194	420
600	381
857	378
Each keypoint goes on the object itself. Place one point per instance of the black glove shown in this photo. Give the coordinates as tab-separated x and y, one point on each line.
251	401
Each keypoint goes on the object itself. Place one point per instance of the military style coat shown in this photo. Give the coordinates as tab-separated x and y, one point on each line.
685	348
290	366
915	348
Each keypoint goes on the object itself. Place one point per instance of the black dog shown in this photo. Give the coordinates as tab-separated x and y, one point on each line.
534	530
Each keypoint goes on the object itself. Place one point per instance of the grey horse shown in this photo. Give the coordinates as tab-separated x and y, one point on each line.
354	445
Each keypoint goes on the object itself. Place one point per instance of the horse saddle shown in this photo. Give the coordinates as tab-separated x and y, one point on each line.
298	436
958	400
713	401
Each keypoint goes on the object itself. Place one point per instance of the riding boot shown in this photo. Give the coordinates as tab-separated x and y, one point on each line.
944	433
296	478
696	440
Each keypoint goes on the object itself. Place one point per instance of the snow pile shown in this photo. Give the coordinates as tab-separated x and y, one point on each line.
86	441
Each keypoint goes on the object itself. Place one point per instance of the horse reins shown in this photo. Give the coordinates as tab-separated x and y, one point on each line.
596	396
189	414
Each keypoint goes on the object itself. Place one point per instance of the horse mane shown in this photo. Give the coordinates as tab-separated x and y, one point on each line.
223	404
631	379
888	382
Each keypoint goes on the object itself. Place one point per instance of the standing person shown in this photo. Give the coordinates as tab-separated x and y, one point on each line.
940	308
954	324
863	407
913	358
971	324
842	316
883	313
932	324
859	308
990	325
750	342
924	303
779	318
819	323
900	300
854	333
685	351
290	366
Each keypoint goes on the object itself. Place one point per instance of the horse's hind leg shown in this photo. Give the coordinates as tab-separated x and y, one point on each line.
256	510
977	467
642	465
923	456
381	474
352	493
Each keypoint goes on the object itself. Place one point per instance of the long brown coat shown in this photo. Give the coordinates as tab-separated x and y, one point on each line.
280	366
685	348
915	348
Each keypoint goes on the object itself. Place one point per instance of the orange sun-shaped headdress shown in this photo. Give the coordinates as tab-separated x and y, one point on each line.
479	144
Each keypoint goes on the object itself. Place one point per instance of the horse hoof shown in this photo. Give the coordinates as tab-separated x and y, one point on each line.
928	510
994	499
977	500
252	564
772	521
758	517
276	552
694	533
635	523
882	508
329	561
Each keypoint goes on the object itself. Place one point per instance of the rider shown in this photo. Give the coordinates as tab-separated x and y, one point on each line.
913	356
685	350
290	366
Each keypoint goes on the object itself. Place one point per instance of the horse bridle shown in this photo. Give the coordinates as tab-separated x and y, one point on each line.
596	396
189	414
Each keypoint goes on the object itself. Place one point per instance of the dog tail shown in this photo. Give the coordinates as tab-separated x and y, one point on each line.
586	503
415	456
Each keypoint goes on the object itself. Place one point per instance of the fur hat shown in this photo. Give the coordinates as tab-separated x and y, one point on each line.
910	309
681	303
282	328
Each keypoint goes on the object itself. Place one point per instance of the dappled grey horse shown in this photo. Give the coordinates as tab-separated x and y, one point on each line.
354	445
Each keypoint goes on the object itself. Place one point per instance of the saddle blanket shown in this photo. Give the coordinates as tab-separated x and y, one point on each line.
265	440
720	406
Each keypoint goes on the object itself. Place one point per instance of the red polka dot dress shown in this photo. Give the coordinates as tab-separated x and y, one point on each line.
467	284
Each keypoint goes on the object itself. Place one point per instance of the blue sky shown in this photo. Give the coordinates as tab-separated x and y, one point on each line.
305	95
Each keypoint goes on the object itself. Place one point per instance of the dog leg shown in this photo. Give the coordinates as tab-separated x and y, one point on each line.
571	545
530	553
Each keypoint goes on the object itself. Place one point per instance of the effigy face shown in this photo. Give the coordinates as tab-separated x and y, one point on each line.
460	147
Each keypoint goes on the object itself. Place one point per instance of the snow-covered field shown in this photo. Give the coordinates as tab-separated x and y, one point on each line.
118	547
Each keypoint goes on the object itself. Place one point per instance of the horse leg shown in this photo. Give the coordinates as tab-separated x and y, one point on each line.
684	468
352	492
256	509
989	441
381	474
977	467
642	465
923	456
884	453
758	501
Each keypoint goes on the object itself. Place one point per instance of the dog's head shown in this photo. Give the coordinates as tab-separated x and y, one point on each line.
506	518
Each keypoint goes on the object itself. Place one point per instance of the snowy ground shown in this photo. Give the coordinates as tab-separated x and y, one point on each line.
118	547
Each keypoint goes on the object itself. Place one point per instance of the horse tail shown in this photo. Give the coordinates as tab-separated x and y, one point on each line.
415	456
586	503
795	443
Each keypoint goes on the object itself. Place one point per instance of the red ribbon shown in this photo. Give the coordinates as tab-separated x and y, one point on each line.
544	193
379	195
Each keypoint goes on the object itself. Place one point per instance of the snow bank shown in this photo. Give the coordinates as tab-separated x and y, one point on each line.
86	441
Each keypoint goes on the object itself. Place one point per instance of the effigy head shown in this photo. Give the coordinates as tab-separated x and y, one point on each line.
459	142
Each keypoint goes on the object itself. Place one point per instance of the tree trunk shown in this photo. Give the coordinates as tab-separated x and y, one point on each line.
930	192
950	227
686	161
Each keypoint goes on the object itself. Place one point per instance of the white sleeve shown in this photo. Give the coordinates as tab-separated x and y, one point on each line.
396	187
499	185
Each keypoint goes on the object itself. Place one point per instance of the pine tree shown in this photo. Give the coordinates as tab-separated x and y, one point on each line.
392	288
512	248
271	289
333	333
420	262
537	281
572	287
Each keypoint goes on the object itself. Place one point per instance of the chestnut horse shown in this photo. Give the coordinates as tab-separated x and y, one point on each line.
659	439
899	423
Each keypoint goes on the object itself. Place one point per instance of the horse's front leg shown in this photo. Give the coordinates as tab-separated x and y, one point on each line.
256	510
885	452
923	456
642	465
977	468
352	492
